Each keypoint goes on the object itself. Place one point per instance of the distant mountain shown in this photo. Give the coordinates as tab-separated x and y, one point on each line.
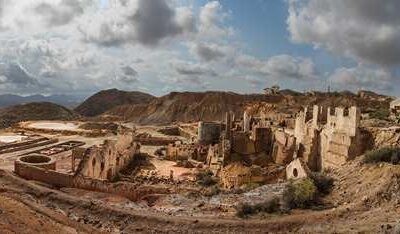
64	100
108	99
34	111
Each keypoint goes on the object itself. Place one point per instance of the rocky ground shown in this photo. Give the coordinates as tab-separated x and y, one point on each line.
365	199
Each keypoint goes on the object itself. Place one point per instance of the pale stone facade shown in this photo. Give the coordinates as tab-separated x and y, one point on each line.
328	139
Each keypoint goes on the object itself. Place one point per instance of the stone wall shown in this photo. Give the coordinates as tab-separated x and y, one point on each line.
24	145
328	139
105	161
209	133
127	190
284	148
176	152
262	137
340	139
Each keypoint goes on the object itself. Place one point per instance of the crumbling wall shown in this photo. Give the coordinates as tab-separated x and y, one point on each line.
340	137
180	151
209	133
242	144
235	175
262	137
128	190
176	152
328	139
284	148
105	161
44	175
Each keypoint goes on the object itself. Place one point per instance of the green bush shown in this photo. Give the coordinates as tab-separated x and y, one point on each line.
270	206
386	154
382	114
323	182
205	178
300	193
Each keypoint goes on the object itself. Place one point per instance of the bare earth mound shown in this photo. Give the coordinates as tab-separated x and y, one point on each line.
34	111
108	99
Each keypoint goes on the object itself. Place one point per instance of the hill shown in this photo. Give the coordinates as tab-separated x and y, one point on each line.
64	100
34	111
211	106
108	99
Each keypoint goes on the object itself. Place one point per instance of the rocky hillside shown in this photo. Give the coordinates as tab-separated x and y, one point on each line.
108	99
209	106
187	107
34	111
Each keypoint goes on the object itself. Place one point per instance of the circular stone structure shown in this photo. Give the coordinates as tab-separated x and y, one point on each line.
25	162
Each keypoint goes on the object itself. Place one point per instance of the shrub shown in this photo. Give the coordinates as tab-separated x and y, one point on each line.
244	210
382	114
270	206
386	154
212	191
300	193
205	178
323	182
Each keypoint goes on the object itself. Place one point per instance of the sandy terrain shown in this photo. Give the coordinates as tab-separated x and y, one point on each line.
53	125
9	138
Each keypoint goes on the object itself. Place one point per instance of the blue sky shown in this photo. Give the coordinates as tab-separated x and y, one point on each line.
159	46
262	25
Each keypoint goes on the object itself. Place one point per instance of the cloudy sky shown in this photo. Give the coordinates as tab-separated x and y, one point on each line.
159	46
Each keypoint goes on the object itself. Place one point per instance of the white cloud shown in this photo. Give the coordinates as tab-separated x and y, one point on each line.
211	19
137	22
280	67
362	77
366	30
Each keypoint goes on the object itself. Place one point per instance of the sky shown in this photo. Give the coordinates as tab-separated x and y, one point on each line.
79	47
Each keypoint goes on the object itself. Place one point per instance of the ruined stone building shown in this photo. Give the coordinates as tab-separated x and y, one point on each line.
209	132
105	161
181	151
97	166
341	137
284	148
327	138
253	141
